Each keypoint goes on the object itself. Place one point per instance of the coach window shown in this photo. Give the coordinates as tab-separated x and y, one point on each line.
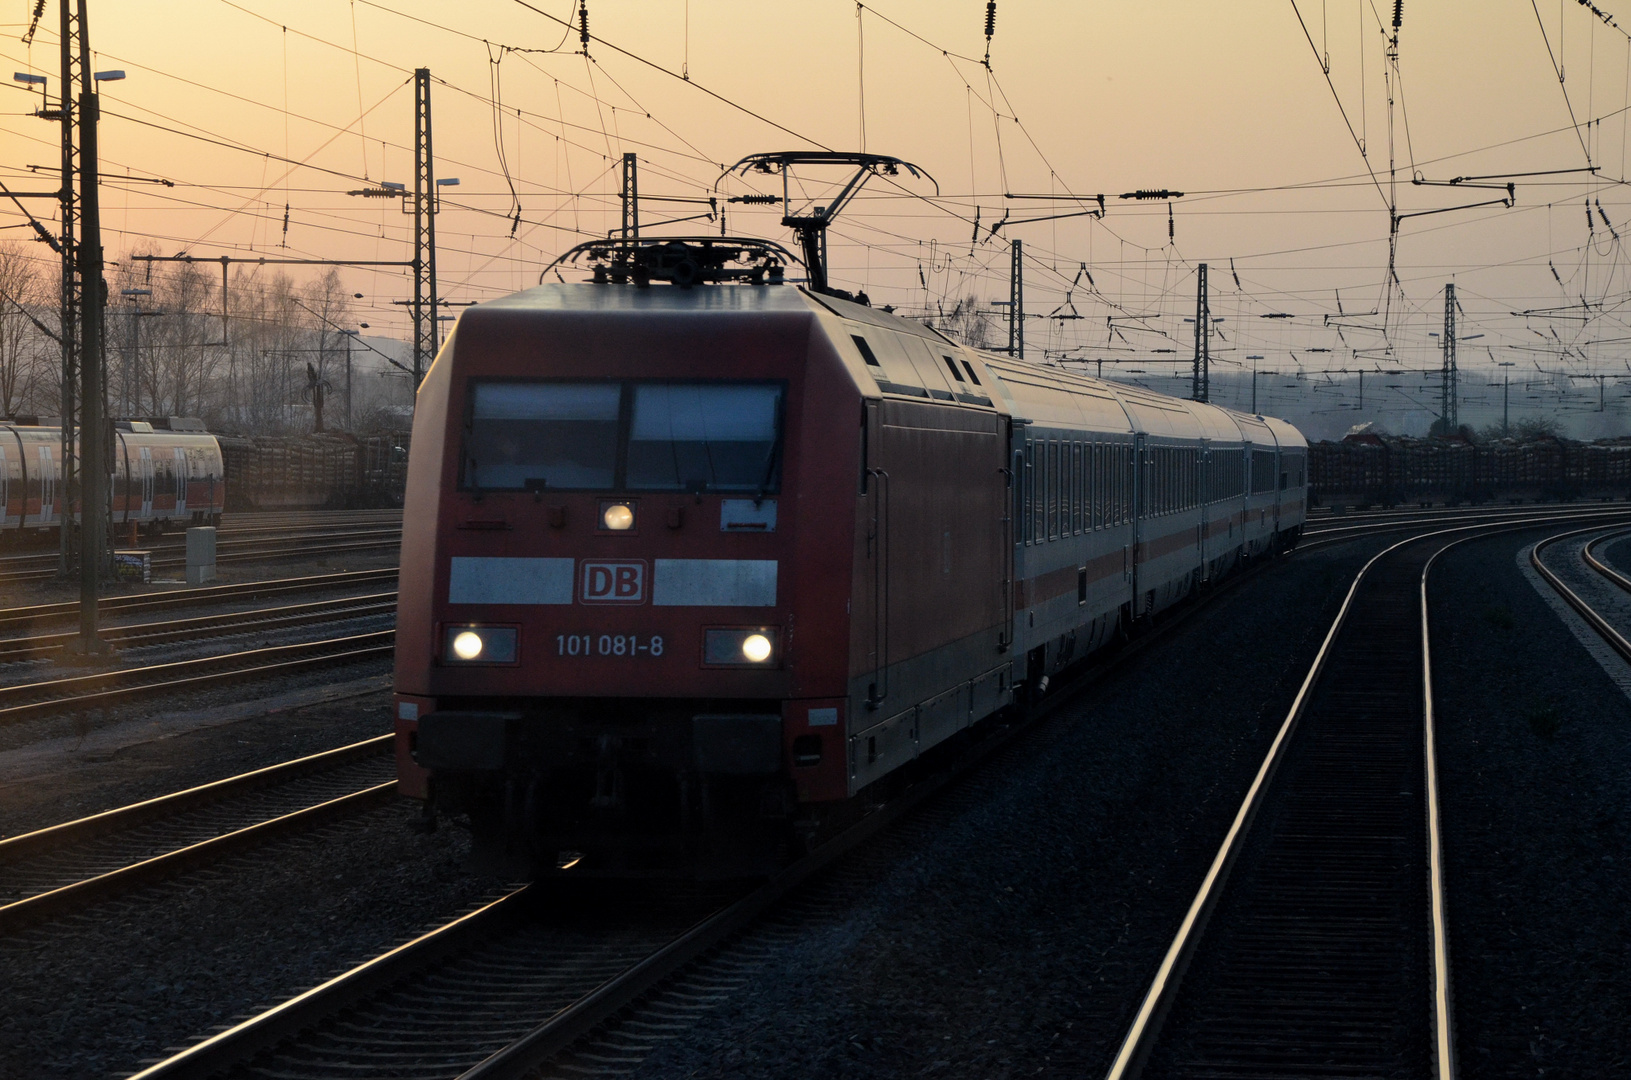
1028	495
1053	490
1075	488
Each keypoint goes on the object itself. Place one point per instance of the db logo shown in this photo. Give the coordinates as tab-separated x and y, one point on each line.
612	583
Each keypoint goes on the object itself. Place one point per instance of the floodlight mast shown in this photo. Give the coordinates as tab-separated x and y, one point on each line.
812	228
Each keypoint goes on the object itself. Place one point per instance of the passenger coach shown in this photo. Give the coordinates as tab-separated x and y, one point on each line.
686	570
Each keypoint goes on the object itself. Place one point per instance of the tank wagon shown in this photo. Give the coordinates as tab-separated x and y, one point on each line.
160	476
688	571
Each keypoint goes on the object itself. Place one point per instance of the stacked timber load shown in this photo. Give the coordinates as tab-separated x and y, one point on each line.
331	471
1368	468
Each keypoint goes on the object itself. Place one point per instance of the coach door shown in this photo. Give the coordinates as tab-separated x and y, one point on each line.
146	467
181	482
48	485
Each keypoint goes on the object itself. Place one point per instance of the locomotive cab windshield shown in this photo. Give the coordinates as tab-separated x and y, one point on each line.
634	436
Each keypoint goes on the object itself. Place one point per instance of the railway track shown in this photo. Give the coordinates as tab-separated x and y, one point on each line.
493	994
1581	593
25	701
137	635
39	616
1316	943
64	868
236	545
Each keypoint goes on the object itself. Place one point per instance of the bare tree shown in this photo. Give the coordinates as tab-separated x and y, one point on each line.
968	323
26	346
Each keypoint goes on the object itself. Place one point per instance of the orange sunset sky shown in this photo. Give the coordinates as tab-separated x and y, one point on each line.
1226	102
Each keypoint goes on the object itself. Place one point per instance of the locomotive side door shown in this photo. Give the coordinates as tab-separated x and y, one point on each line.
146	467
181	482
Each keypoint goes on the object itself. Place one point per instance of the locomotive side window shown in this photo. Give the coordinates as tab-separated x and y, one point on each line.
701	437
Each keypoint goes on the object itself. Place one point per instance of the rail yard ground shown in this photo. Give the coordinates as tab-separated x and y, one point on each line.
1009	928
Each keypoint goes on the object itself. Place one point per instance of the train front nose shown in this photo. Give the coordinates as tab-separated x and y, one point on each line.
613	646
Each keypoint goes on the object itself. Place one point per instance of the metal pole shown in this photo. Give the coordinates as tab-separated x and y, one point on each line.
1506	404
135	357
1447	391
93	457
1254	387
348	336
1016	302
630	196
72	27
424	231
1200	384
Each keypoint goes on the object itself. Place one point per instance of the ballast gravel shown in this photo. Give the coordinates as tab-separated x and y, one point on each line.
1535	763
98	993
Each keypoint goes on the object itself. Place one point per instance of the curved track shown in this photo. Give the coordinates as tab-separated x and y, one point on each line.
1317	943
1600	572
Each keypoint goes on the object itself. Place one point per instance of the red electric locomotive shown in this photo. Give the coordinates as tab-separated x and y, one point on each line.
687	565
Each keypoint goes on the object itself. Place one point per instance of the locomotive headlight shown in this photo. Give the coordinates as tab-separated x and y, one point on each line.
618	517
745	647
756	647
479	645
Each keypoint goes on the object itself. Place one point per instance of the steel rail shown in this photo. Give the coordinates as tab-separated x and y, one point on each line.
1605	630
82	829
202	627
34	614
245	1038
1590	558
1141	1035
67	897
182	675
16	568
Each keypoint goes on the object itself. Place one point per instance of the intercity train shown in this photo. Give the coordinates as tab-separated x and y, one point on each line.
687	571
